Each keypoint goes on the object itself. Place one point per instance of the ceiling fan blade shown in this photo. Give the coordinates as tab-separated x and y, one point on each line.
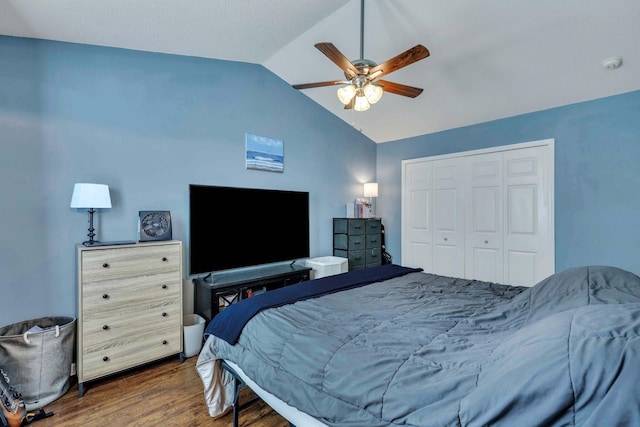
319	84
407	57
338	58
399	89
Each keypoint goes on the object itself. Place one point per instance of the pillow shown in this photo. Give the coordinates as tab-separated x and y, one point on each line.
578	287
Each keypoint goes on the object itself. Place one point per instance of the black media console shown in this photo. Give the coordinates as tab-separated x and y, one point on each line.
217	292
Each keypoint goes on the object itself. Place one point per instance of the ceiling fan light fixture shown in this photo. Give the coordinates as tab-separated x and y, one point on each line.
361	103
373	93
346	94
360	74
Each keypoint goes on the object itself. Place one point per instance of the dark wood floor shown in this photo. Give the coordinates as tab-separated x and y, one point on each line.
165	393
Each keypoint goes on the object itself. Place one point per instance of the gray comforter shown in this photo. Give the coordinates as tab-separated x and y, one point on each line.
426	350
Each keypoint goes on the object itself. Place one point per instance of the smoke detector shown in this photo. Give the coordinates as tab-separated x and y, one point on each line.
612	63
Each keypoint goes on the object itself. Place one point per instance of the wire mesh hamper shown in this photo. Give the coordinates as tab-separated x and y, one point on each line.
36	355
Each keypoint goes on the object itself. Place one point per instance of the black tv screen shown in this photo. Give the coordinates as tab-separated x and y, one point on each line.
231	227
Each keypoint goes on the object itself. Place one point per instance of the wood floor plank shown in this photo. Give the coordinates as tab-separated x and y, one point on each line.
165	393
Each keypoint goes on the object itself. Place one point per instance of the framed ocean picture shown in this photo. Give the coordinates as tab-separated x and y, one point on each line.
264	153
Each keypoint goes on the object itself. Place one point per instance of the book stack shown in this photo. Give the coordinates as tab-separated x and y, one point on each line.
362	209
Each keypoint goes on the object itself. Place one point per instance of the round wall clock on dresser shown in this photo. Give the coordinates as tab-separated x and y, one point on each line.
154	226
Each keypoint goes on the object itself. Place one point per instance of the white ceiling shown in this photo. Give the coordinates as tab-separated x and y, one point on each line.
489	59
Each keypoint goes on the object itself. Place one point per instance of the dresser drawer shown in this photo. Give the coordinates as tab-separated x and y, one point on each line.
117	263
374	226
119	354
349	226
357	259
349	242
373	257
102	326
123	293
373	240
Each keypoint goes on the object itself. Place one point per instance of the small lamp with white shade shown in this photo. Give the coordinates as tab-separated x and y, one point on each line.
91	197
370	191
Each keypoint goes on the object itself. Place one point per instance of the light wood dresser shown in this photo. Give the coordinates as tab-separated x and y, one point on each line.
129	306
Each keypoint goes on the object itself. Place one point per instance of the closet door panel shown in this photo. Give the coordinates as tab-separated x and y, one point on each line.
528	237
448	217
484	252
416	216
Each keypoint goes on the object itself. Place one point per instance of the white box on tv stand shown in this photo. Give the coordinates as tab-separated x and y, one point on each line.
327	266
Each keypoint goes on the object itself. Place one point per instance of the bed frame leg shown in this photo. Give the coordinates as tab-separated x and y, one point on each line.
238	385
236	398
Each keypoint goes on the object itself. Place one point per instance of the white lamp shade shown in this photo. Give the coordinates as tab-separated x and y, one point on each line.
361	103
90	196
373	93
371	189
346	94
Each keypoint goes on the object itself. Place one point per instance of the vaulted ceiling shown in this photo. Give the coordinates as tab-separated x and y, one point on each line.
489	59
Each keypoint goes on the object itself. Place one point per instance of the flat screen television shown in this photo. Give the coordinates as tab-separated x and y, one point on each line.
232	227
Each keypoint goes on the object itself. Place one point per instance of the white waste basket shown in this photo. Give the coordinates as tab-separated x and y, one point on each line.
327	266
193	331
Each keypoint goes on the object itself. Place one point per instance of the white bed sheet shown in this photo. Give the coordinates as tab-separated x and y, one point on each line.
293	415
216	392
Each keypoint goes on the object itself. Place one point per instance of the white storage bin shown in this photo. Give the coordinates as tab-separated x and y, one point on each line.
327	266
193	334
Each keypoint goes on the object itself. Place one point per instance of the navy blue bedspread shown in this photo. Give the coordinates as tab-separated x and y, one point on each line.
230	322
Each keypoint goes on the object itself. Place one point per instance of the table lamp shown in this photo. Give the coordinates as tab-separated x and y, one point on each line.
370	191
91	197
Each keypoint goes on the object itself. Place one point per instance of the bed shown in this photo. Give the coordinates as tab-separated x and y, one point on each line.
391	345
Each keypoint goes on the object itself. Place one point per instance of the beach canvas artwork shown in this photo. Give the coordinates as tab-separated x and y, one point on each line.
264	153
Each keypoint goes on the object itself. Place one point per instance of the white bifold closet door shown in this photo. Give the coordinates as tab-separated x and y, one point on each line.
485	214
484	245
448	218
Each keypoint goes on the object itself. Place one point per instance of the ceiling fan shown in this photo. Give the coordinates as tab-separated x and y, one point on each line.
363	84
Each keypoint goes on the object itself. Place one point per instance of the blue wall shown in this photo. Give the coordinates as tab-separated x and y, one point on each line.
147	125
597	175
150	124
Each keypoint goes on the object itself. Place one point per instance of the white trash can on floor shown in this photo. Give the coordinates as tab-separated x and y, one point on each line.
193	330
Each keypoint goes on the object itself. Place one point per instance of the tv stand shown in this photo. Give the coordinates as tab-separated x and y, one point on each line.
216	292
